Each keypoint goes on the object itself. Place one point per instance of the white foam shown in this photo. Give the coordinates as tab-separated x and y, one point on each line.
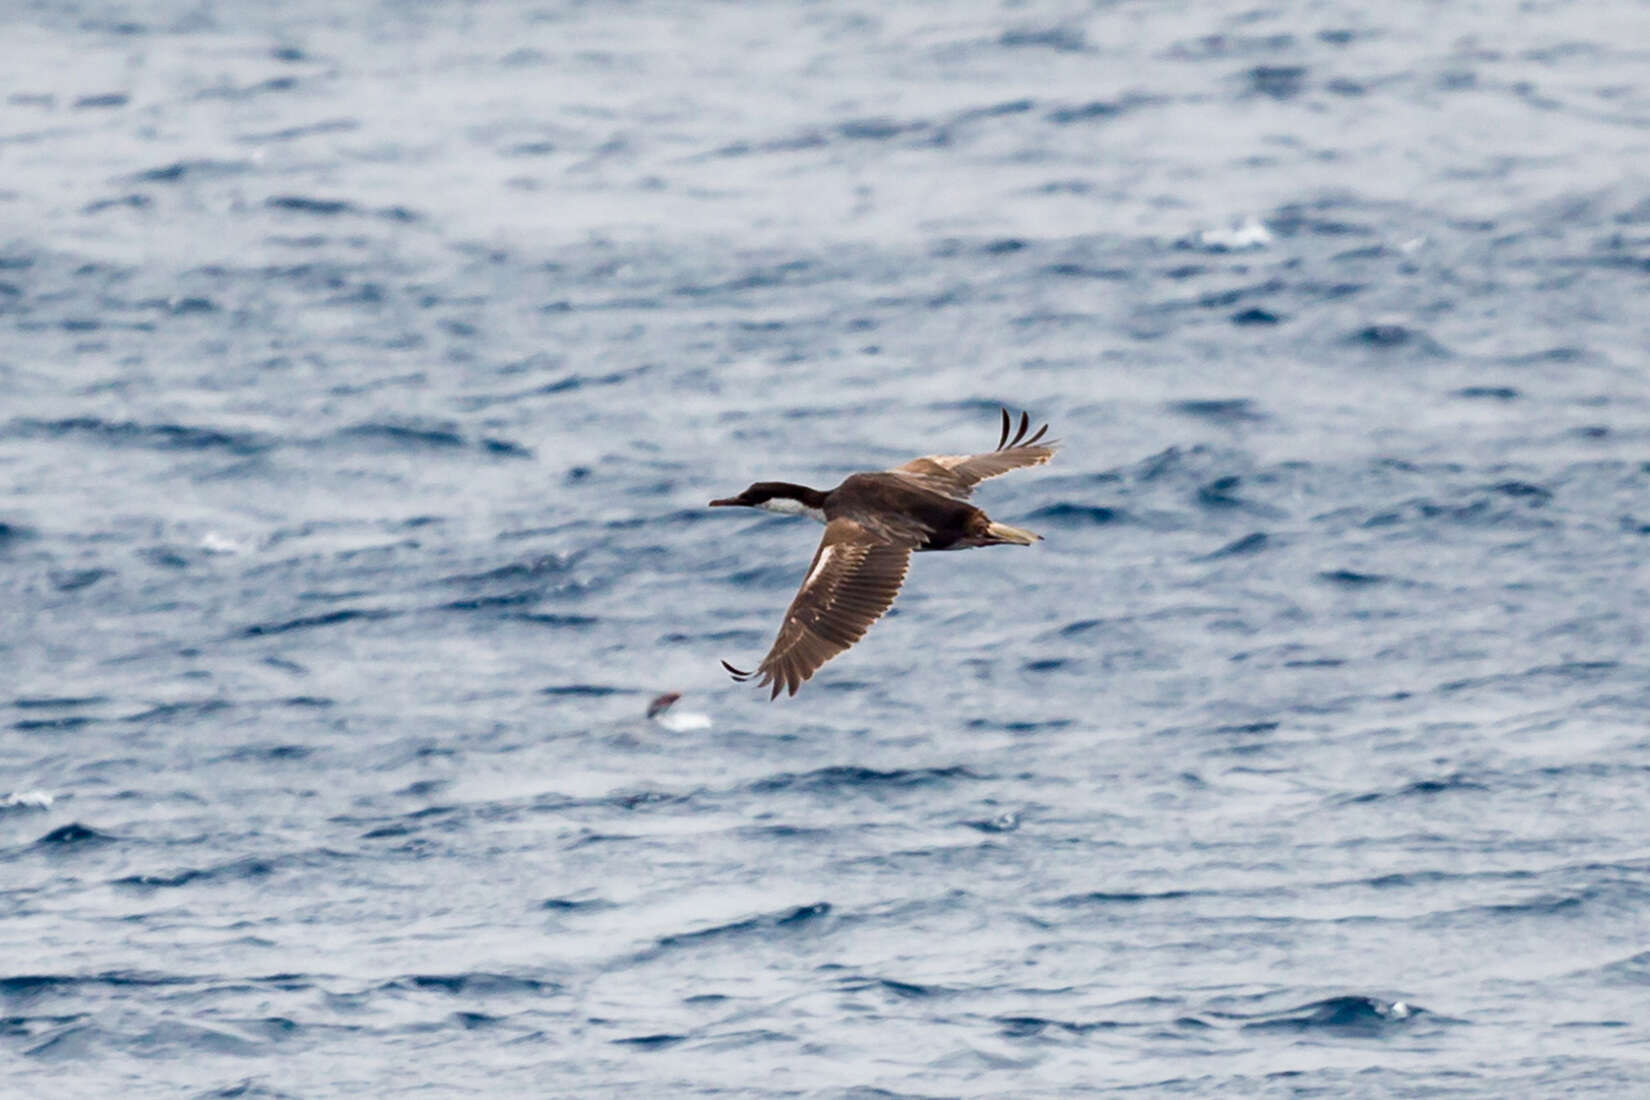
28	800
214	543
1248	234
677	722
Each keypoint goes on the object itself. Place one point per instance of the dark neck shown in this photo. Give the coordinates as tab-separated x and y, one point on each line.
812	498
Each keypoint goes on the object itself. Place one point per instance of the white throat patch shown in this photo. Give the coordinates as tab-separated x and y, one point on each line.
785	506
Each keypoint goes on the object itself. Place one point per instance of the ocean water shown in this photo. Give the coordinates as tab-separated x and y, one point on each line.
365	370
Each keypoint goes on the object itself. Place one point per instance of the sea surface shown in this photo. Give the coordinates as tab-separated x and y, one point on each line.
365	370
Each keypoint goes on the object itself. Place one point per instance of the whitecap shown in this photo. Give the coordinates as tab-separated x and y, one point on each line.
214	543
682	722
28	800
1250	233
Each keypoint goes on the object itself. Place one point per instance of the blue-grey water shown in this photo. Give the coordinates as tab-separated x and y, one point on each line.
365	370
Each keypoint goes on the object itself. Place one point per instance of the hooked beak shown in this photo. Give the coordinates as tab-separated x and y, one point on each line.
725	502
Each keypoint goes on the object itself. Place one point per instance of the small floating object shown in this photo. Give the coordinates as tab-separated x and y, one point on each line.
676	721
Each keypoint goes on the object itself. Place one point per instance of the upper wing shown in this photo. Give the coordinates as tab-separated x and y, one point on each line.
956	475
854	578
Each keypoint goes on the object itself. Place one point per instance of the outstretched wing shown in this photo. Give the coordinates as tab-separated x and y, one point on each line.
956	475
853	580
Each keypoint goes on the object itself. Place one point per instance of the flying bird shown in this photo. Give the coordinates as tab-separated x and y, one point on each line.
873	523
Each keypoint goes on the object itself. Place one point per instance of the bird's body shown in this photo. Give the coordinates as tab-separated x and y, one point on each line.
874	522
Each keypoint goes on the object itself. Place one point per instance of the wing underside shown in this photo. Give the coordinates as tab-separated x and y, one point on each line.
850	584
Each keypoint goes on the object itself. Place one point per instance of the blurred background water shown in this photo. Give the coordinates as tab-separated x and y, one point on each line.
365	371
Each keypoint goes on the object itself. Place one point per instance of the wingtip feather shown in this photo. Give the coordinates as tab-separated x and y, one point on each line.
1015	435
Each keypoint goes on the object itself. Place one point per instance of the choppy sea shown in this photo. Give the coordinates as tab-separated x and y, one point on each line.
365	370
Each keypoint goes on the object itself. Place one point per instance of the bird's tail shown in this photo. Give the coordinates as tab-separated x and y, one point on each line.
1002	532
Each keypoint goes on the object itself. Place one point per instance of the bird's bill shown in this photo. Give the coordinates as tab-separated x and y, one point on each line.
725	502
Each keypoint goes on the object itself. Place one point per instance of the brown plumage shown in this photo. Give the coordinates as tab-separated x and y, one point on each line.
874	522
956	475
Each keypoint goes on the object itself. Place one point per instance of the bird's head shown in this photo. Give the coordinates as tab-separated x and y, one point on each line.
754	497
777	496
